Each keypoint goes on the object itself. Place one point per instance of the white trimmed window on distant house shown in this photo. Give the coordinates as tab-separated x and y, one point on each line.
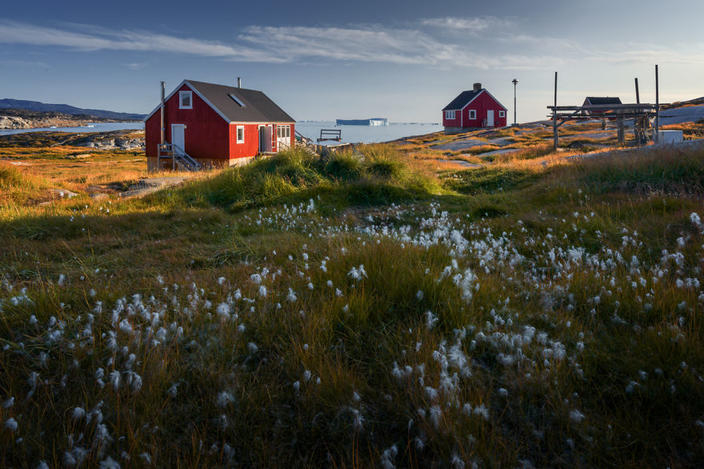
240	134
185	100
472	113
449	114
502	113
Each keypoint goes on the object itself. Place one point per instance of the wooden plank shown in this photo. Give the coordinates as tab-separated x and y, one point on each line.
554	119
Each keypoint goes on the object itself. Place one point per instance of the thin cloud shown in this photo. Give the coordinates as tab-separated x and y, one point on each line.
102	39
369	43
472	25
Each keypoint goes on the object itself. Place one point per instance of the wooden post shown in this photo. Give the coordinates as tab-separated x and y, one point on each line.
162	112
554	117
621	131
657	106
637	93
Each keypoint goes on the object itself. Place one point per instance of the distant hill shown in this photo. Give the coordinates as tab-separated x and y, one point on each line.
37	106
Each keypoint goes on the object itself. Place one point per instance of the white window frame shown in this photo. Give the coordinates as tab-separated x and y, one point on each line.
502	113
472	113
237	133
283	131
181	95
450	115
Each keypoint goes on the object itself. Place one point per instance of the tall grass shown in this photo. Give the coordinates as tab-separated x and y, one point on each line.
376	175
552	312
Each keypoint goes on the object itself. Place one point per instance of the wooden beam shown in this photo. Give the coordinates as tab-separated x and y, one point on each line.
657	105
554	119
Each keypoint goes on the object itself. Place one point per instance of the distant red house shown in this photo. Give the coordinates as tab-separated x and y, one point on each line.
473	109
215	126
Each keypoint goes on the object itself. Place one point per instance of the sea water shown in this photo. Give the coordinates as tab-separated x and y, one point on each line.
366	133
310	129
89	127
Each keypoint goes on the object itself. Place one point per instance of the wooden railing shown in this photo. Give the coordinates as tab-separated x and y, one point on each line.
178	157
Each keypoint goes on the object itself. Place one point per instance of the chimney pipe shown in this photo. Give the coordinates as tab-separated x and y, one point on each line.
477	86
162	111
239	82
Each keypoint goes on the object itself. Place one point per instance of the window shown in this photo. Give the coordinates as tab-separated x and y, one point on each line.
185	100
502	113
240	134
472	113
449	114
283	131
237	100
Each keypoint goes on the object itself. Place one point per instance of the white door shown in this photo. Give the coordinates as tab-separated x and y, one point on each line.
490	118
178	136
283	137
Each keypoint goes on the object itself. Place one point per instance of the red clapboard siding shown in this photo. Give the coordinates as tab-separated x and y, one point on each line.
206	132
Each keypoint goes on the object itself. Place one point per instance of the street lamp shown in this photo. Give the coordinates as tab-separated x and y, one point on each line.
515	82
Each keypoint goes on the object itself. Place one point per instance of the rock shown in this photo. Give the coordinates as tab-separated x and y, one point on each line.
63	193
99	196
12	122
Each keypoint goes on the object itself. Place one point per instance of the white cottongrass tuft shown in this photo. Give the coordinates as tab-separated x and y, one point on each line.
256	279
291	296
109	463
115	379
224	398
456	462
482	411
576	416
262	290
430	319
388	457
435	416
223	311
11	424
78	413
357	273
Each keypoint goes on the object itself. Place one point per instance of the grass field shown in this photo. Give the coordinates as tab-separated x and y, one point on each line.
359	311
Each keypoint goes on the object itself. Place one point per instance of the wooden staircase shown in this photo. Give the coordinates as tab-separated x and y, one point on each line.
178	156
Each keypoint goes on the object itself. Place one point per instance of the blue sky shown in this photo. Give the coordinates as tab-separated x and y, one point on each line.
403	60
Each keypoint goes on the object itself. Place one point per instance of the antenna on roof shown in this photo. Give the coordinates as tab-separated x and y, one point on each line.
239	82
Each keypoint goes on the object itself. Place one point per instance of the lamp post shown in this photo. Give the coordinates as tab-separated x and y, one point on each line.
515	82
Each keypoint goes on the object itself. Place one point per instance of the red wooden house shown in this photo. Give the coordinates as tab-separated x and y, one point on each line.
209	125
473	109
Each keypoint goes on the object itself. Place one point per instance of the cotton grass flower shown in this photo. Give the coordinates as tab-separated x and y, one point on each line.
11	424
576	416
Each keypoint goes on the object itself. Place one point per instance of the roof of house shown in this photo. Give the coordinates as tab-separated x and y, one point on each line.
599	100
462	99
235	104
253	106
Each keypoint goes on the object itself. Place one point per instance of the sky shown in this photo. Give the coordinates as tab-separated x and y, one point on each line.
404	60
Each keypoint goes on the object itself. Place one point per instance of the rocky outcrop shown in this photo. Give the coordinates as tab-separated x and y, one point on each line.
118	143
12	122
